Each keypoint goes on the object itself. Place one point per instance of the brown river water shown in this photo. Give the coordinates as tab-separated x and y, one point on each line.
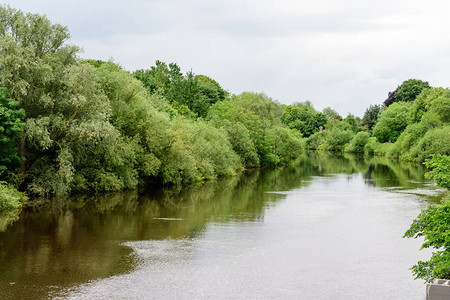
326	227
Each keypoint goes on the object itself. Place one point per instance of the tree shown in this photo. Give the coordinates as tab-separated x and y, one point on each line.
370	117
407	91
392	122
350	119
304	118
11	127
331	114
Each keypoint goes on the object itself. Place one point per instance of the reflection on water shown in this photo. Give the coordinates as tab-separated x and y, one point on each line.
74	240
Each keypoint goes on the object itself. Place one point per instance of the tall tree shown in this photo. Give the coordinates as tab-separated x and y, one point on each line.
371	116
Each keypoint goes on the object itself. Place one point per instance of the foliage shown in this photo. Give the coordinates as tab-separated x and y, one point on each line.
435	141
239	137
423	102
197	92
351	120
358	143
336	139
410	89
10	198
331	114
11	126
440	165
285	143
371	116
392	122
407	139
304	118
260	116
434	225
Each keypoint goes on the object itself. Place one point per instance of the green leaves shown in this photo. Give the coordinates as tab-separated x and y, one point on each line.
434	225
392	122
440	165
11	127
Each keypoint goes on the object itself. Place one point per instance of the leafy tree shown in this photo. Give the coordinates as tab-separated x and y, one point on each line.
423	103
407	91
304	118
370	117
160	76
331	114
350	119
392	122
11	127
435	141
410	89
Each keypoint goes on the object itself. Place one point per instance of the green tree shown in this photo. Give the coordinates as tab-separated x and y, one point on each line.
11	127
370	117
392	122
410	89
350	119
304	118
331	114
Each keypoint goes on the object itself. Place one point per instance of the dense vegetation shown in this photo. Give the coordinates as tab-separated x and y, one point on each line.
69	125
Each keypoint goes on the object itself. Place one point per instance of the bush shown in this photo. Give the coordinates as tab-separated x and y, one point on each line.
358	143
10	198
435	141
423	102
440	165
336	139
412	134
316	141
382	148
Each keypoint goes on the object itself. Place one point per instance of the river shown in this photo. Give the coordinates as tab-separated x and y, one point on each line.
326	227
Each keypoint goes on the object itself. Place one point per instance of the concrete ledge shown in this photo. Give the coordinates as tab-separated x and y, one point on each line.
439	289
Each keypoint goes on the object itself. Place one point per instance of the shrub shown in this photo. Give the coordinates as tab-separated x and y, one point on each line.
10	198
435	141
358	143
440	165
336	139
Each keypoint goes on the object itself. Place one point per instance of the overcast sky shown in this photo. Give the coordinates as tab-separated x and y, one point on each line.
345	54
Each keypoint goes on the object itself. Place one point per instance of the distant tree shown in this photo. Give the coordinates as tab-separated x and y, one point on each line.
390	99
371	116
331	114
407	91
410	89
304	118
351	120
197	92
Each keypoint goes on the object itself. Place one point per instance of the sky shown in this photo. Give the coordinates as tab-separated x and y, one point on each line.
345	54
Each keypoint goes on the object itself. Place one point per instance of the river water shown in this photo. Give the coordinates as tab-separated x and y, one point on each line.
327	227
